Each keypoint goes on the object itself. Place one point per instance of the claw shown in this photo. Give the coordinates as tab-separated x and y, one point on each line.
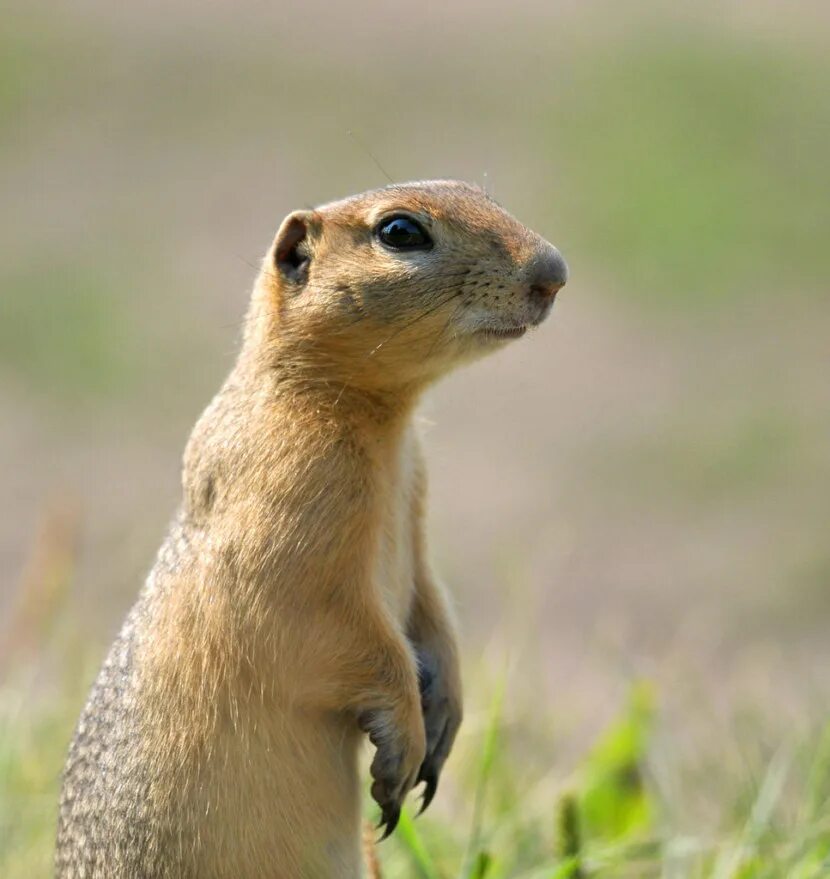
431	781
389	817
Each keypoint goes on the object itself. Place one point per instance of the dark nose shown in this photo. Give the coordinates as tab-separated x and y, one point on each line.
548	274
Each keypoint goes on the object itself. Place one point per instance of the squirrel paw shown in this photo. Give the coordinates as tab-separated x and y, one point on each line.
395	765
442	718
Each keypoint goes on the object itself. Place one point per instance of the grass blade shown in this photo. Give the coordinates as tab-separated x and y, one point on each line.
415	848
489	752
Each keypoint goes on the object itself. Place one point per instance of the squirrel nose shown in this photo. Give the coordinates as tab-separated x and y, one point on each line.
548	274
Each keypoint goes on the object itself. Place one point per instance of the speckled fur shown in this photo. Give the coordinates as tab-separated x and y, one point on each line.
291	604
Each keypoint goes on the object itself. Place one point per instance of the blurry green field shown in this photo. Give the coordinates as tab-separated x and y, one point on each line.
705	175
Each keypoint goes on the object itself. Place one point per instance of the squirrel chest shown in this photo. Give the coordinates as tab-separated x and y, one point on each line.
394	562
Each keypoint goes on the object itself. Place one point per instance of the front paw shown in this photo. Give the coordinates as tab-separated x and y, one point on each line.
441	707
400	754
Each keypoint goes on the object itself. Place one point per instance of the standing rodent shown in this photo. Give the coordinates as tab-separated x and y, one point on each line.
292	607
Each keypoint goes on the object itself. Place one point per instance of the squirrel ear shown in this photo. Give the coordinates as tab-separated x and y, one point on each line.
292	255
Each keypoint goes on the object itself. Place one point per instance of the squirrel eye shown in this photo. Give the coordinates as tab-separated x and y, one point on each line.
402	233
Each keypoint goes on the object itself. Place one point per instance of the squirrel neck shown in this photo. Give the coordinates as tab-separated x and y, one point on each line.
313	379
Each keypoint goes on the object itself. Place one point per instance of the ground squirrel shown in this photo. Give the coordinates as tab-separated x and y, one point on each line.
291	608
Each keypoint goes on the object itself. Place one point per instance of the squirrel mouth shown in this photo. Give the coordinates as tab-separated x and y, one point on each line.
502	332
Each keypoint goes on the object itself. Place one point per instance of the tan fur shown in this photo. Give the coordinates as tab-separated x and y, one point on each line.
293	599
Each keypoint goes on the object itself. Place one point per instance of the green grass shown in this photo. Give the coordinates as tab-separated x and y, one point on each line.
31	755
608	818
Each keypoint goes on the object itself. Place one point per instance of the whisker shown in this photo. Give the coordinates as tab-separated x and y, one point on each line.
371	155
455	291
440	336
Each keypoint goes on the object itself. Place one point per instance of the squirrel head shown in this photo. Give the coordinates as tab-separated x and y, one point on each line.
394	287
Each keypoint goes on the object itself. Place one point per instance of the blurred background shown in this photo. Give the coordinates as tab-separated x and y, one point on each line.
640	490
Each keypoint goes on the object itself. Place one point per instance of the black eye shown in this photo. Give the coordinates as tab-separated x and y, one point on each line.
402	233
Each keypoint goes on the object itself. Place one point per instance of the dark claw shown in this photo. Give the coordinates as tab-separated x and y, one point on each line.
389	787
442	717
438	748
431	785
389	816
